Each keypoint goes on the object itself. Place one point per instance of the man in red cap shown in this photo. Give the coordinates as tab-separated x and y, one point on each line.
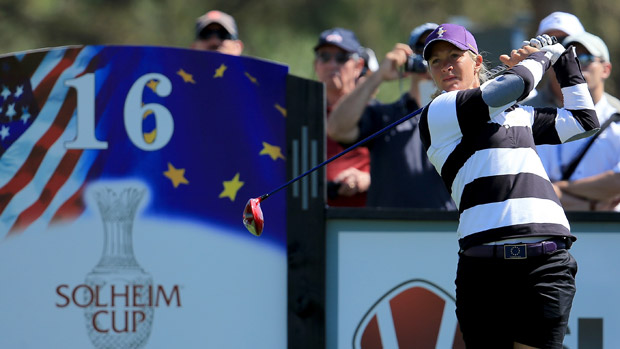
338	64
217	31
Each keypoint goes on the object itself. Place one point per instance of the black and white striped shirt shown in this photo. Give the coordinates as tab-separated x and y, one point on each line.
487	158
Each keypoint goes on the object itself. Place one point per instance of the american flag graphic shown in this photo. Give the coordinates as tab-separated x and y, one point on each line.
227	134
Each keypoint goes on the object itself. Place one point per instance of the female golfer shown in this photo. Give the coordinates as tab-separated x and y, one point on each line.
515	280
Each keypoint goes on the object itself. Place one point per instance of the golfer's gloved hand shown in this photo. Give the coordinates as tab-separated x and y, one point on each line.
540	41
553	50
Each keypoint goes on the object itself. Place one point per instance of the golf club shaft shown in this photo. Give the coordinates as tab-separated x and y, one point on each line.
492	73
372	136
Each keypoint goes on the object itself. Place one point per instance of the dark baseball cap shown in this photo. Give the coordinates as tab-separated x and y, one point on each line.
455	34
224	19
420	30
343	38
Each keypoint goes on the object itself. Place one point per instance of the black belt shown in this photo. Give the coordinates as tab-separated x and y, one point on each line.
517	251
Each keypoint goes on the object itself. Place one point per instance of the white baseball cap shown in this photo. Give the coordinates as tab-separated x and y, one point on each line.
595	45
563	21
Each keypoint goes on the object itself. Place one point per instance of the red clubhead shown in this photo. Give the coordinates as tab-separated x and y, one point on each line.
253	217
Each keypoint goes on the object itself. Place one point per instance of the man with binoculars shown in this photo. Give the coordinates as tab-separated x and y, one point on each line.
397	156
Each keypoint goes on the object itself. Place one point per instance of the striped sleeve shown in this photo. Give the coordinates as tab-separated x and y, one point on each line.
439	119
531	70
577	119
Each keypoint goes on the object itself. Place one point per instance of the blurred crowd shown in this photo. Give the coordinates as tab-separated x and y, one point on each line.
392	170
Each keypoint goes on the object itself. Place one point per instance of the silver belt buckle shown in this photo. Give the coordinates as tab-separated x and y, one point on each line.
518	251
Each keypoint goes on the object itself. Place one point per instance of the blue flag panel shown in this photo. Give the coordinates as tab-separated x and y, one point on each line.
202	130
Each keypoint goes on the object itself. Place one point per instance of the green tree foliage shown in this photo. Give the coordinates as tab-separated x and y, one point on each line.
283	30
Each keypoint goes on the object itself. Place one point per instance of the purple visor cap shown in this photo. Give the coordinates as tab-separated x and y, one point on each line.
453	33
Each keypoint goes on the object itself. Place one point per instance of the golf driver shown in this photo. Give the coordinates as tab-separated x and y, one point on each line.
253	215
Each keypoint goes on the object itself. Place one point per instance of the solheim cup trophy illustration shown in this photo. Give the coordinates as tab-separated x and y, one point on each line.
119	293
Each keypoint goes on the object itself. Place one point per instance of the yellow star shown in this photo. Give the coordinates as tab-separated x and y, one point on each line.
187	77
149	137
253	79
231	188
219	72
281	109
176	175
274	151
152	85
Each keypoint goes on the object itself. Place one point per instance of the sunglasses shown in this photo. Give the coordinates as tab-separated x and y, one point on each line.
219	33
340	57
586	59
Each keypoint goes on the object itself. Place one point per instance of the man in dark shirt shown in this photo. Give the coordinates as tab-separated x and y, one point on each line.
397	156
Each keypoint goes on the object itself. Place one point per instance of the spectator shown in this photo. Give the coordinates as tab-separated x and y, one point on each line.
560	25
217	31
338	64
591	182
396	156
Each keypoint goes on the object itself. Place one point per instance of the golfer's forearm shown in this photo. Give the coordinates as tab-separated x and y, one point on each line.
576	96
342	124
601	187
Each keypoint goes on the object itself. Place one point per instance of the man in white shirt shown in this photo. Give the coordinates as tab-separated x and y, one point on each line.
594	182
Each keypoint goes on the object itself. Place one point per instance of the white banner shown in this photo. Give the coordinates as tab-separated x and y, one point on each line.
393	282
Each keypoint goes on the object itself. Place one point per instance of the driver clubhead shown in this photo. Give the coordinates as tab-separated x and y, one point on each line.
253	217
